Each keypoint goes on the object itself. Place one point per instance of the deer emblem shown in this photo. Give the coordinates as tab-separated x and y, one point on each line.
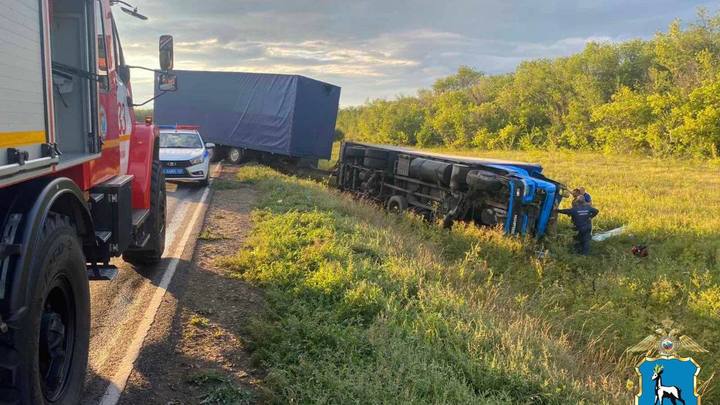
661	392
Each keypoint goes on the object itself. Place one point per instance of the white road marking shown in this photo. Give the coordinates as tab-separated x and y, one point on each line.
119	380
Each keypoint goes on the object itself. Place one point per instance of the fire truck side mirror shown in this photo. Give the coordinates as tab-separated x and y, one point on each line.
166	53
167	81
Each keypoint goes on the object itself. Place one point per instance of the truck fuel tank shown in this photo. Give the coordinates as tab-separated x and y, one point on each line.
431	171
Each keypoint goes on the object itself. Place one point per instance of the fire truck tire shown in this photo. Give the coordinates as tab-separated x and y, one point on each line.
44	358
396	204
152	253
235	155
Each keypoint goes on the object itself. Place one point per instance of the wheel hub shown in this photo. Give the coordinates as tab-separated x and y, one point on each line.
52	344
56	340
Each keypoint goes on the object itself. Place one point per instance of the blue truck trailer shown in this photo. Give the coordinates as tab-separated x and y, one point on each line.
258	115
513	195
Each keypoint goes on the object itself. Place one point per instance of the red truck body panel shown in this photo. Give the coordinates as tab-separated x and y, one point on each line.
128	147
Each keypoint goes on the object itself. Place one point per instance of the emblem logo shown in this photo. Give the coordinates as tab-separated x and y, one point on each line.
668	378
102	123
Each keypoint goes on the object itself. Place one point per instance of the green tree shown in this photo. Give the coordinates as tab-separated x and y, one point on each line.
658	96
465	78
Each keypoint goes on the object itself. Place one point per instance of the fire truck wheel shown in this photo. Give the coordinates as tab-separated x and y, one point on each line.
152	253
46	353
235	155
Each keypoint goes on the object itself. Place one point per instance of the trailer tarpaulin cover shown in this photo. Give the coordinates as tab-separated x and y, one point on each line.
284	114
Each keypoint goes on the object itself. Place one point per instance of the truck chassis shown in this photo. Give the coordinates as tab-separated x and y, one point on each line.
513	195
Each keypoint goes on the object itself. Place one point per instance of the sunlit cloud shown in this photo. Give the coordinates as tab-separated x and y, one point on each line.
379	48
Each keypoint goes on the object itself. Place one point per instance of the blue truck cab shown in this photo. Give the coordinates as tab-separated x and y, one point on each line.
535	193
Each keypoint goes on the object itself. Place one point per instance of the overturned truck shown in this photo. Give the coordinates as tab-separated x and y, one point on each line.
513	195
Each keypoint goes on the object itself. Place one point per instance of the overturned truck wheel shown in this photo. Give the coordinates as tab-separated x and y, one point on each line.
43	359
235	155
396	204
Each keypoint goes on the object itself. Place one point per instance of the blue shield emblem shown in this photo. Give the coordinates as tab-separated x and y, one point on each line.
668	381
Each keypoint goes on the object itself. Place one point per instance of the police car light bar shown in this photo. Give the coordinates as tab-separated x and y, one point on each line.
193	127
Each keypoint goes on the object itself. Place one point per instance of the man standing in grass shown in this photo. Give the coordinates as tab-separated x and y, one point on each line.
581	214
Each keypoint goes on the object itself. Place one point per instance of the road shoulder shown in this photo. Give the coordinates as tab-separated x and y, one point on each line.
196	349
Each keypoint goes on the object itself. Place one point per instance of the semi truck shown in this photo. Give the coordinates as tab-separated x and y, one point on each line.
80	184
515	196
267	117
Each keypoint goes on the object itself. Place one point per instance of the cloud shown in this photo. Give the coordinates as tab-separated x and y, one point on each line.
381	48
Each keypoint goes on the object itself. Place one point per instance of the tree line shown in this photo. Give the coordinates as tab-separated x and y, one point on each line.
658	96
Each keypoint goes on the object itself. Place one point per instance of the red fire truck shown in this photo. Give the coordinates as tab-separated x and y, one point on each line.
80	183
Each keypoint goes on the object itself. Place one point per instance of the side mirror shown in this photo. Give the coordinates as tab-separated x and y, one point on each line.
166	53
124	72
209	145
167	82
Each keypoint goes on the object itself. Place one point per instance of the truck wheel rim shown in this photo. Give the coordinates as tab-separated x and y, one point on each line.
234	155
57	331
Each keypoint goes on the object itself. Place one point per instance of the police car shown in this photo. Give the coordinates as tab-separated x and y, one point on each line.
183	154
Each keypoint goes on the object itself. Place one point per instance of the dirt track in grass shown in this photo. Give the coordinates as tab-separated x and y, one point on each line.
196	348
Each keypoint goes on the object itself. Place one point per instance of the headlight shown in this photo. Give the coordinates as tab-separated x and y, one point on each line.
197	160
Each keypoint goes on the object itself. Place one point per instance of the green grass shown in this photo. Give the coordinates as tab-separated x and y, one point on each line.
369	308
219	390
366	307
211	235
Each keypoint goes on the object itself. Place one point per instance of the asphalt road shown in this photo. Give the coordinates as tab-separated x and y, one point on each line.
120	306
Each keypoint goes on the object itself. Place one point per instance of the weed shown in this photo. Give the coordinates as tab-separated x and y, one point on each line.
205	377
219	389
227	393
199	321
211	235
222	184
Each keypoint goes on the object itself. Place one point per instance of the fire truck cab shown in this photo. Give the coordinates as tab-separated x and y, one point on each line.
80	183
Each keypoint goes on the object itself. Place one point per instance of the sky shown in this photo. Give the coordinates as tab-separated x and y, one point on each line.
381	48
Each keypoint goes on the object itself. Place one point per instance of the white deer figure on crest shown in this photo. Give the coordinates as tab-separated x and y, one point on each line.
661	392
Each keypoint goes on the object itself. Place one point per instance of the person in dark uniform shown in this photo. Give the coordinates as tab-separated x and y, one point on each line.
581	214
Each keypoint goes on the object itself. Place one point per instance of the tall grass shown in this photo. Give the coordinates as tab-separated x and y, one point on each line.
370	308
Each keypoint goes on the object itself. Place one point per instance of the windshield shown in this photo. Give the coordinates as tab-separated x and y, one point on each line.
188	140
